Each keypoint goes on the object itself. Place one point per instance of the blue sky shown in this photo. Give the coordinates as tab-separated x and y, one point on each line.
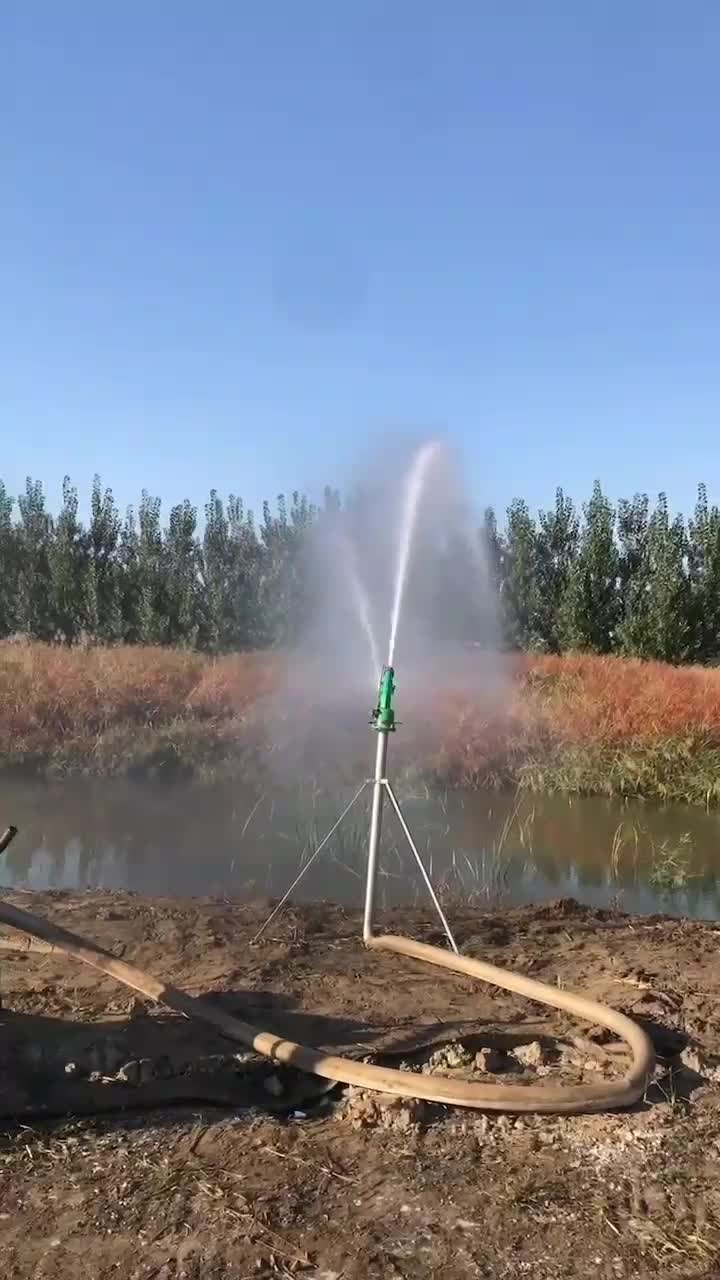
239	239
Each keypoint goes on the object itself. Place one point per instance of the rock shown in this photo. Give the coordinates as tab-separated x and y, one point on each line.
456	1055
531	1055
492	1061
382	1110
693	1059
448	1058
71	1068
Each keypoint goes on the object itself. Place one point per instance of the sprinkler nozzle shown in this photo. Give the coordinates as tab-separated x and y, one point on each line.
383	716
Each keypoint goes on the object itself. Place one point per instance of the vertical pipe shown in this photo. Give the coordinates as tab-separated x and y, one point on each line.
7	837
375	829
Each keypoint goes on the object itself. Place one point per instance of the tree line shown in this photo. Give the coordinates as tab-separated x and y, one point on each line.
630	579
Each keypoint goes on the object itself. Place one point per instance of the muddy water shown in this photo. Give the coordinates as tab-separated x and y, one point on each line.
184	840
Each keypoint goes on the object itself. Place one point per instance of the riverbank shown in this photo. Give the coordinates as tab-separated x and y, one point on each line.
221	1165
577	724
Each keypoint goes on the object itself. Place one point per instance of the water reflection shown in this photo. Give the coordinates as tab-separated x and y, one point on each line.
182	840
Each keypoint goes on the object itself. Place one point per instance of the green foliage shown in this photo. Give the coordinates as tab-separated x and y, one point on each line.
634	567
102	588
9	566
67	565
704	578
590	610
520	584
655	585
633	580
229	561
180	555
152	620
556	545
668	589
33	533
282	596
670	865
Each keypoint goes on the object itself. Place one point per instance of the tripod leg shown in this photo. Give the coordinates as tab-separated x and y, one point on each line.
309	863
423	872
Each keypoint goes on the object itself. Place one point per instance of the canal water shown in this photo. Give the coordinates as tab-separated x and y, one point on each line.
489	848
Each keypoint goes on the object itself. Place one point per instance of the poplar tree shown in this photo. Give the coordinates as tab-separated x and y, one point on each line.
67	565
103	580
8	566
556	547
519	596
704	575
590	611
33	615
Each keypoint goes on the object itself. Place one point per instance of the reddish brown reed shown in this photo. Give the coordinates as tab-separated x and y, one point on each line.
475	727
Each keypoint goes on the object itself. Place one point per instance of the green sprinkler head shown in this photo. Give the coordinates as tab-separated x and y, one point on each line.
383	717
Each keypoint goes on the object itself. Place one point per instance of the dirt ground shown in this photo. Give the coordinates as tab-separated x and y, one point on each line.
220	1165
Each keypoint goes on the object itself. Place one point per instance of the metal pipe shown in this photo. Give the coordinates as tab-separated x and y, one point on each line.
7	837
423	871
375	829
309	862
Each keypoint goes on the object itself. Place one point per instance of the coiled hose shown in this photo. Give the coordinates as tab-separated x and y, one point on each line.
548	1098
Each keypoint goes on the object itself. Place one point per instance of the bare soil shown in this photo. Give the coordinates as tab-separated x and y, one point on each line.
185	1158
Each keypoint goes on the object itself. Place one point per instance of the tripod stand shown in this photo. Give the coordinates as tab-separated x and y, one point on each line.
383	722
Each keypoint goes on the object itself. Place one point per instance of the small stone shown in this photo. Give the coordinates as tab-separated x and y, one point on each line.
365	1110
71	1068
457	1056
531	1055
491	1061
448	1058
693	1060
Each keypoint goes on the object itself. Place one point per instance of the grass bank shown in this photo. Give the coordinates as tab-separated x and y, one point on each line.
580	724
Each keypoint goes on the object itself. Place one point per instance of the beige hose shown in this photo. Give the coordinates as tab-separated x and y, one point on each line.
566	1099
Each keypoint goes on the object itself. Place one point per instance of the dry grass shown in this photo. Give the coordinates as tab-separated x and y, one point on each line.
590	724
581	723
619	700
101	710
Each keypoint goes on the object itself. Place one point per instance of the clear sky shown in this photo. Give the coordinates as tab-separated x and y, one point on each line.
239	237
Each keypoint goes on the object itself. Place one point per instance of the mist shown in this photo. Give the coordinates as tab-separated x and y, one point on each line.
397	569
